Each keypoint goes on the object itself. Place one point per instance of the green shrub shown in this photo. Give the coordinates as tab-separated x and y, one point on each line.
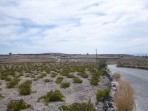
52	96
65	85
25	88
54	74
12	83
59	80
78	107
94	80
70	76
1	96
83	74
41	76
102	64
77	80
48	80
101	94
17	105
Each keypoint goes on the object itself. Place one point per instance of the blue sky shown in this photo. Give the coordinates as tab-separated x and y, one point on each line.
74	26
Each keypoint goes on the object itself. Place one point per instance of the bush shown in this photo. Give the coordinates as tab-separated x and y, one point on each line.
83	74
77	80
48	80
102	94
52	96
70	76
65	85
78	107
124	99
102	64
25	88
12	83
94	80
41	76
17	105
59	80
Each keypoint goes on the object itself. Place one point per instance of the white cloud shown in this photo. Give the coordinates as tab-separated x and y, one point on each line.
78	25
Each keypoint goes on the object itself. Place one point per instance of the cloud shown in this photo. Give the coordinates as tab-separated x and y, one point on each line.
73	26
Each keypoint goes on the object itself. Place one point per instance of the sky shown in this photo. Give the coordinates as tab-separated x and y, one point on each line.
74	26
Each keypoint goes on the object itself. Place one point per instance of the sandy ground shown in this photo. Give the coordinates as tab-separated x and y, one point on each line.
75	93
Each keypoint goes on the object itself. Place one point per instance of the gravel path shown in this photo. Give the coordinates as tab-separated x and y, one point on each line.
139	80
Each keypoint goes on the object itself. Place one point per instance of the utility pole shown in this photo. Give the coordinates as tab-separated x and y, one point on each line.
96	59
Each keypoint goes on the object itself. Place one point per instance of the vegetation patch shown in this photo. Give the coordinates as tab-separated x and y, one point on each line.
77	80
78	107
25	88
124	99
65	85
59	80
48	80
12	83
102	94
17	105
52	96
83	74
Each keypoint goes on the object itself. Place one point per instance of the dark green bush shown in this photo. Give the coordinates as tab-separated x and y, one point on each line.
94	80
42	76
25	88
102	64
101	94
83	74
52	96
78	107
59	80
17	105
70	76
65	85
12	83
77	80
48	80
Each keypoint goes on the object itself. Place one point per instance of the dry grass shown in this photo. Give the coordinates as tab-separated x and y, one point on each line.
124	99
117	76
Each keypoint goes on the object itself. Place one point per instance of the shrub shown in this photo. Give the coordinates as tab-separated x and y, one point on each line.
48	80
65	85
83	74
102	64
59	80
12	83
94	80
102	94
77	80
25	88
52	96
54	74
17	105
124	99
78	107
1	96
70	76
41	76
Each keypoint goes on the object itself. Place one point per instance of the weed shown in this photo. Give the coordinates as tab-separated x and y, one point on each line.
101	94
17	105
65	85
78	107
59	80
25	88
52	96
124	99
77	80
12	83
